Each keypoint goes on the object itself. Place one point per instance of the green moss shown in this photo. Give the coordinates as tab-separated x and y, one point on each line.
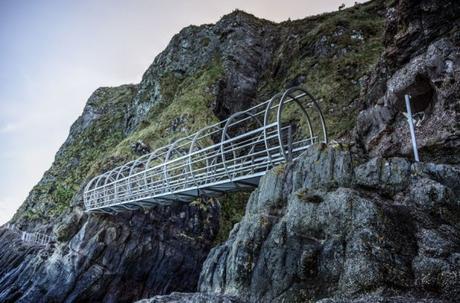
233	206
205	41
61	197
279	169
77	156
355	39
308	197
169	84
185	99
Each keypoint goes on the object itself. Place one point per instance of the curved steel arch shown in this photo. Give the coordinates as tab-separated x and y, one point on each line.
266	123
211	162
278	118
167	160
194	147
226	136
315	103
136	162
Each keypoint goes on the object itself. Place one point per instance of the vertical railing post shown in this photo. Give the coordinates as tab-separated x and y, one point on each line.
411	127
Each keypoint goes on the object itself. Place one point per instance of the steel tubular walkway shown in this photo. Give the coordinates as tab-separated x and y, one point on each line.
31	237
228	156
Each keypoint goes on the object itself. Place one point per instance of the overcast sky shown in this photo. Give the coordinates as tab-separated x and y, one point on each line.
54	54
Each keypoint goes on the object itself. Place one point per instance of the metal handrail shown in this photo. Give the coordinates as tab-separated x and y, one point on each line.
31	237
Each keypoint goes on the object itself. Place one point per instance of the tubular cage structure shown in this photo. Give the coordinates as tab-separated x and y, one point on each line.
31	237
227	156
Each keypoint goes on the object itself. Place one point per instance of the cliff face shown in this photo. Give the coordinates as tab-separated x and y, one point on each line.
331	226
360	222
356	221
421	58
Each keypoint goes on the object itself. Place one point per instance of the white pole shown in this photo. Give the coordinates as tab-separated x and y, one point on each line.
411	128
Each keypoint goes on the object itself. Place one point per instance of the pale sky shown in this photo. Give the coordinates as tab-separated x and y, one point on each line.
54	54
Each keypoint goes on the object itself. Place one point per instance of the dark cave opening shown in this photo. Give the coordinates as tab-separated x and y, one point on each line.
422	95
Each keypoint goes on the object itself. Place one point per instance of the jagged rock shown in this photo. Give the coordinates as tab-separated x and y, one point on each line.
421	58
355	241
432	83
389	175
111	258
66	229
245	46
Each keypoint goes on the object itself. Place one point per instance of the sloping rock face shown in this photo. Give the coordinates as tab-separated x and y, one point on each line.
192	298
111	258
240	43
328	226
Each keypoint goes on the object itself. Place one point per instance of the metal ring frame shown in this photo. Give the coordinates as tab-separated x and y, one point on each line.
193	166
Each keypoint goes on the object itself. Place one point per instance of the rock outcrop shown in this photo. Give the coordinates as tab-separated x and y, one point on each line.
192	298
329	226
364	223
422	59
111	257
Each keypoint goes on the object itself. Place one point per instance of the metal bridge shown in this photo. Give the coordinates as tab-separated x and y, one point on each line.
228	156
31	237
36	238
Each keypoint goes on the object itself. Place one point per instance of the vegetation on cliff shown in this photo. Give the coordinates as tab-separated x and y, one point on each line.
191	83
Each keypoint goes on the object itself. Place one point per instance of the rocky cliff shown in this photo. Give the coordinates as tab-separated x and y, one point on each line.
331	226
354	221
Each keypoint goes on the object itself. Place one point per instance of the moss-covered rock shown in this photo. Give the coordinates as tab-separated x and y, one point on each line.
99	129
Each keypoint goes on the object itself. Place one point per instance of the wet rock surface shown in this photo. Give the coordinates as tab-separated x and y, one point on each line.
192	298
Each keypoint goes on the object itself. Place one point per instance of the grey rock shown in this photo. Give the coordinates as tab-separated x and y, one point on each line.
242	43
323	168
426	68
96	263
140	148
430	194
446	174
390	175
192	298
348	242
